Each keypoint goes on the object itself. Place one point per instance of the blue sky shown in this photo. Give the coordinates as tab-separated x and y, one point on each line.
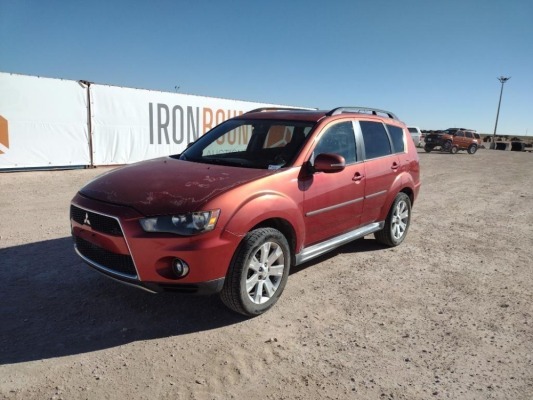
433	63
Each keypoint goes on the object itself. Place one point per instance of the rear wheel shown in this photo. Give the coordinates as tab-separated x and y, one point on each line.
397	222
472	149
258	272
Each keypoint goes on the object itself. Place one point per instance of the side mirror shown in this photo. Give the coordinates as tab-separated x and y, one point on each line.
329	163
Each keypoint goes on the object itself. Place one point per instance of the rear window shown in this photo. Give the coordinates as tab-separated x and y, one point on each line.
376	140
396	134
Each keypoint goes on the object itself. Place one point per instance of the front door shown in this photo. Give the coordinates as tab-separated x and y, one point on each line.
333	202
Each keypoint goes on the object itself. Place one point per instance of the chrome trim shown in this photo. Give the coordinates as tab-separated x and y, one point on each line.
370	196
365	110
330	244
129	283
322	210
106	274
100	266
123	235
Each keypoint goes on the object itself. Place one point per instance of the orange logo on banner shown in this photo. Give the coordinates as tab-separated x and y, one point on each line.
278	136
4	137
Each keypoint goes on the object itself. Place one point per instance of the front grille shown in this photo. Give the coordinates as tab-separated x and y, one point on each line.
98	222
120	263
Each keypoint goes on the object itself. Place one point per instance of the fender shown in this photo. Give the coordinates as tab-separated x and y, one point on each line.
403	181
263	206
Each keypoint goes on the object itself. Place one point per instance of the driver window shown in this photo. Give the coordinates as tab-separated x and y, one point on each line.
338	139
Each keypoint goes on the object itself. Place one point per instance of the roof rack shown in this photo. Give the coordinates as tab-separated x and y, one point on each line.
265	109
364	110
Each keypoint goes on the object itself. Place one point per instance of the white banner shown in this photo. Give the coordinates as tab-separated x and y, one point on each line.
130	125
43	122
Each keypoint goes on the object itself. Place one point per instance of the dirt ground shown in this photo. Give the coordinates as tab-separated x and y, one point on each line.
446	315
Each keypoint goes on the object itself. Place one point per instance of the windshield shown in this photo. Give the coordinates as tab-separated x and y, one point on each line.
265	144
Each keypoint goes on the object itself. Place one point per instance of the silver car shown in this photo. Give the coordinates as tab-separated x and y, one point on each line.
415	134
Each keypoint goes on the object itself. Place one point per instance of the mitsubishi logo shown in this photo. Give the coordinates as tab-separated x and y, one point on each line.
86	221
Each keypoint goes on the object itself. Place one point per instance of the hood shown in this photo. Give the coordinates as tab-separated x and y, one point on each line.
168	186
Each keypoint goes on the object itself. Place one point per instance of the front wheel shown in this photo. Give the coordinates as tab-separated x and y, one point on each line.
258	272
397	222
454	150
428	148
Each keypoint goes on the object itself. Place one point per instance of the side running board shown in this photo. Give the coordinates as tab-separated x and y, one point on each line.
320	248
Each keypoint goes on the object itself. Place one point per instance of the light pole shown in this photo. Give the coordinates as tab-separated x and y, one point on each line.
502	79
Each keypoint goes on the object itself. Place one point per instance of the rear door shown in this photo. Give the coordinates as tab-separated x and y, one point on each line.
459	140
469	138
382	165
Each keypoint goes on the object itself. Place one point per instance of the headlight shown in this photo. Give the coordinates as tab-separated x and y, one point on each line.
182	224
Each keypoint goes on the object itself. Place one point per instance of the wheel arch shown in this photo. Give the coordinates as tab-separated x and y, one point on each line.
403	184
272	210
409	192
287	230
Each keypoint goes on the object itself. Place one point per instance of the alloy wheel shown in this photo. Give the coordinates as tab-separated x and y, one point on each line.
400	218
265	272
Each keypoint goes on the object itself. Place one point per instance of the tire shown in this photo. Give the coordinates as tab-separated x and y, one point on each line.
397	222
428	148
446	146
454	150
258	272
472	149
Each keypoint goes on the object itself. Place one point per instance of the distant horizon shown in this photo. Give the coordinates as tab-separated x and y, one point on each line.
290	105
435	64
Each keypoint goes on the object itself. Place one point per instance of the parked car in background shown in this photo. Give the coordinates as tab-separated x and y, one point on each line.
452	140
253	197
415	134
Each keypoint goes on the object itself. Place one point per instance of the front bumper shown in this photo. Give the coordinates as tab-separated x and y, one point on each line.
201	288
110	239
433	141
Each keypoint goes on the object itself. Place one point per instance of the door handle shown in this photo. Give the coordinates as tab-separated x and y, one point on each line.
357	177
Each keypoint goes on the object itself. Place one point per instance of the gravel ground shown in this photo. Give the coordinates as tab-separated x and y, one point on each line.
446	315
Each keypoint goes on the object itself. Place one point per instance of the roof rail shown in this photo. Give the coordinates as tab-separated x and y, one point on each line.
365	110
265	109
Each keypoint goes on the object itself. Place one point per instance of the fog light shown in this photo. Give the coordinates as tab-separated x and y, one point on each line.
180	268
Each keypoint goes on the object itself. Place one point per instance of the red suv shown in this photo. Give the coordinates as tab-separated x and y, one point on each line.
259	193
453	140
